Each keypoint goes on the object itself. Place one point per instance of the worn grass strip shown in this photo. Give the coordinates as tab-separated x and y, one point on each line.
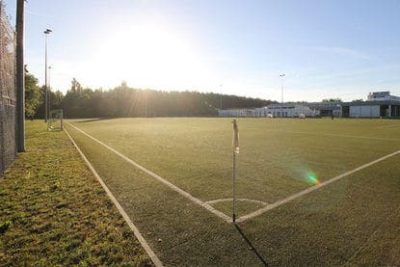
313	188
159	178
54	213
133	227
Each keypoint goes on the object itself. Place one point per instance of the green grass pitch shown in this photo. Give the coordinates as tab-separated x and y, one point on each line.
349	222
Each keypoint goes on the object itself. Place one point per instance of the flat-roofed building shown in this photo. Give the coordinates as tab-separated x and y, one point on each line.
236	112
371	109
382	96
378	105
327	109
290	111
275	110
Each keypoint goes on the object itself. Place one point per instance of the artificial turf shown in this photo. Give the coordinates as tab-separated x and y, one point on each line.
345	223
276	156
54	212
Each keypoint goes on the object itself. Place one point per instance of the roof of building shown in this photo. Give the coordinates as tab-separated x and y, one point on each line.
380	94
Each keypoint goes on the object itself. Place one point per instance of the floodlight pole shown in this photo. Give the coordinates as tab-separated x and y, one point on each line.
220	97
49	90
282	81
46	93
20	76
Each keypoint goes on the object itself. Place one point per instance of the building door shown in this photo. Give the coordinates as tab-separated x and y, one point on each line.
384	111
345	111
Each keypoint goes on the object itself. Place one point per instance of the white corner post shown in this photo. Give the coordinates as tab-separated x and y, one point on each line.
235	151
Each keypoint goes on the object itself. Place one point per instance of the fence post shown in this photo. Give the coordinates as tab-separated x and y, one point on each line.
20	77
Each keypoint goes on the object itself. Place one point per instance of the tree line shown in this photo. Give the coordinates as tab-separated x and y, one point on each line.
124	101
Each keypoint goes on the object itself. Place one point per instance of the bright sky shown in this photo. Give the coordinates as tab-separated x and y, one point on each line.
332	48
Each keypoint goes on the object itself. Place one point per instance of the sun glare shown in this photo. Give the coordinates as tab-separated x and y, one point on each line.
150	55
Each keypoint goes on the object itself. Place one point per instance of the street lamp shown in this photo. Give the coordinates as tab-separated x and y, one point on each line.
220	96
46	93
282	80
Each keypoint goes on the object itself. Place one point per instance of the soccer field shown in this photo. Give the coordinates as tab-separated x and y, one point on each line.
310	192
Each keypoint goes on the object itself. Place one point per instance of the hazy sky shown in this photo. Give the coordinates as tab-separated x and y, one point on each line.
337	48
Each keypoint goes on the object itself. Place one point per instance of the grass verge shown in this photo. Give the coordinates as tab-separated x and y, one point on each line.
53	211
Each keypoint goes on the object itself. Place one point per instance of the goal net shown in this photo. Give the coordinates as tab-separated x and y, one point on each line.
55	121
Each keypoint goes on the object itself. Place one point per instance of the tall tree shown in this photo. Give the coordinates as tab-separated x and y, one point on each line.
76	86
123	101
33	96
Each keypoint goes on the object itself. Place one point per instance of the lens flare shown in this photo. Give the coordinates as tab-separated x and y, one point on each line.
312	179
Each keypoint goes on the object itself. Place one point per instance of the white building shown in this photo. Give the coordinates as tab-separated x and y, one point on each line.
236	112
382	96
370	111
290	111
378	105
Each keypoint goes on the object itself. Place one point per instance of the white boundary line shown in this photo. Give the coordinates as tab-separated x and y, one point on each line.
345	136
388	126
135	230
311	189
239	199
159	178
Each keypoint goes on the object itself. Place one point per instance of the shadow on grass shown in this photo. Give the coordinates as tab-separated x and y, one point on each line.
263	261
94	120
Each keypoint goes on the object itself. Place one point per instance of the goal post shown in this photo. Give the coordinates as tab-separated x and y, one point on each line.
55	121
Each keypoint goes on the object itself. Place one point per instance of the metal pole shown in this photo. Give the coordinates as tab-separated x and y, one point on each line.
46	104
234	186
220	96
282	81
49	90
20	77
235	150
46	94
62	118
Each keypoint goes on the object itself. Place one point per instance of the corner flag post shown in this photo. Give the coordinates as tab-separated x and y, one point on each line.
235	151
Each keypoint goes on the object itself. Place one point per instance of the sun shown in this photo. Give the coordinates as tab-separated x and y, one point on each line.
150	55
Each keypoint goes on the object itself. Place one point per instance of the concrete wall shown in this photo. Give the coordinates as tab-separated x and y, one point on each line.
365	111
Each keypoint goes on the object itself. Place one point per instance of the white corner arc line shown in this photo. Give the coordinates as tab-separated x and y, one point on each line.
311	189
197	201
135	230
215	201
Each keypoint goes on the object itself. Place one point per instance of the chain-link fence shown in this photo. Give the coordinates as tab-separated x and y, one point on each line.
7	92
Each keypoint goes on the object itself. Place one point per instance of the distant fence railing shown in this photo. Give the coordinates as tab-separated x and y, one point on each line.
8	149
